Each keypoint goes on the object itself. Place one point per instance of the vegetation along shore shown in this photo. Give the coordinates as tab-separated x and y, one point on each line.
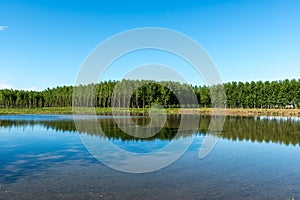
276	98
202	111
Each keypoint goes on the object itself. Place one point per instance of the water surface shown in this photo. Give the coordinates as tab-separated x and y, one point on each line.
42	157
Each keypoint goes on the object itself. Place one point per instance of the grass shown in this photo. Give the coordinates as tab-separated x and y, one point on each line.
52	110
204	111
64	110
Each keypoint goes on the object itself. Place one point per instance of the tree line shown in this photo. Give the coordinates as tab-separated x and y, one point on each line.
169	94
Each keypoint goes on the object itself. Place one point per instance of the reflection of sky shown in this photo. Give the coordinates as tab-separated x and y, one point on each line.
27	150
233	168
146	146
141	146
139	156
268	160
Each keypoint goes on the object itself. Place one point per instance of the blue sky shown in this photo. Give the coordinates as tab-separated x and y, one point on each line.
43	43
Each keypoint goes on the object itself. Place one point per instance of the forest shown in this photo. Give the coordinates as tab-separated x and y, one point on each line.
169	94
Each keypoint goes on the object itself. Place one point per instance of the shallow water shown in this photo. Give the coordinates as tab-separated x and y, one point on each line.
42	157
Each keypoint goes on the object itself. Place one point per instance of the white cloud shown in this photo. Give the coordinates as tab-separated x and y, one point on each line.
8	86
5	86
33	88
2	28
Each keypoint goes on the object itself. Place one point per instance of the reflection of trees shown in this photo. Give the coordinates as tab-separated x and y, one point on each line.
108	127
112	131
275	130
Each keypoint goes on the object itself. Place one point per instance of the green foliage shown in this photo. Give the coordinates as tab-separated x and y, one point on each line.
145	93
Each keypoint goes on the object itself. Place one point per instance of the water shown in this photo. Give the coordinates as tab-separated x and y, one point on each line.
42	157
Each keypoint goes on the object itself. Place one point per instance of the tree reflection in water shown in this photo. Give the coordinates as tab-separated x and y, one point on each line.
255	129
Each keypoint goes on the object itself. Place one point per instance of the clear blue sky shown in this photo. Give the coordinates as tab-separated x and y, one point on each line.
43	43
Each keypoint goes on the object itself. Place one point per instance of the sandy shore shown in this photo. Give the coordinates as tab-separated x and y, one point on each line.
241	112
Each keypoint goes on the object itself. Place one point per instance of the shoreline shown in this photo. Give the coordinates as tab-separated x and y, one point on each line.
202	111
245	112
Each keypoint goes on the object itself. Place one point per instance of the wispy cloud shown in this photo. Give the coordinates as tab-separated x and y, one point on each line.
32	88
5	86
2	28
8	86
